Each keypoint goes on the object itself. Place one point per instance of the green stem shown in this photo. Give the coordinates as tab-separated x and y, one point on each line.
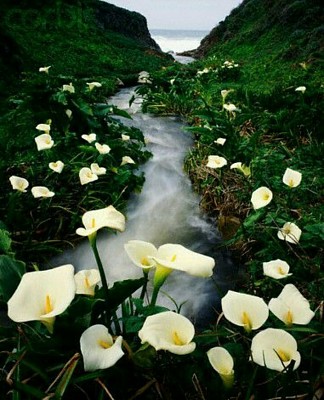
144	287
93	244
155	295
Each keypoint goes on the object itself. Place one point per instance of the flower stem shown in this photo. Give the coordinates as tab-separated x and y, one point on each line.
93	244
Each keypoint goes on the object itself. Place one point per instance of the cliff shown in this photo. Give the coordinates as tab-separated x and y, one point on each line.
128	23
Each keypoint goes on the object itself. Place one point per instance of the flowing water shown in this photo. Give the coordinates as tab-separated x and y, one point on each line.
166	211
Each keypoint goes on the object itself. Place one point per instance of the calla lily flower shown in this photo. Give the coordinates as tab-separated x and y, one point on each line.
225	93
242	168
222	362
245	310
44	69
127	160
86	281
300	89
125	138
292	178
44	128
107	217
89	138
261	197
275	349
68	112
68	88
97	170
92	85
103	148
220	141
231	108
98	348
175	256
17	183
290	233
169	331
87	176
276	269
56	166
143	77
42	295
203	71
291	307
141	253
216	162
44	142
41	191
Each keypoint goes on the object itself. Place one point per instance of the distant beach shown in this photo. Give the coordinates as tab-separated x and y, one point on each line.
177	40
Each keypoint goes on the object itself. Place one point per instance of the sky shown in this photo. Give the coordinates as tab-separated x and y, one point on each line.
180	14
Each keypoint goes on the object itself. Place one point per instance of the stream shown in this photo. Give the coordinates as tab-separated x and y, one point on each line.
166	211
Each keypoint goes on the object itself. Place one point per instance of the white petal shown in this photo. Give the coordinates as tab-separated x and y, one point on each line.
28	303
221	360
169	331
245	310
139	252
95	356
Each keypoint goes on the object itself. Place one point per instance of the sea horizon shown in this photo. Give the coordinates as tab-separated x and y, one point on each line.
178	40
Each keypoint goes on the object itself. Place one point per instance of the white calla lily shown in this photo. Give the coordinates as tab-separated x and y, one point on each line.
216	162
242	168
125	138
68	88
221	141
290	233
222	362
68	112
292	178
103	148
261	197
89	138
141	253
276	269
275	349
44	142
98	348
245	310
44	69
42	295
107	217
291	307
176	256
41	191
86	281
169	331
44	128
92	85
18	183
56	166
96	169
127	160
300	89
87	176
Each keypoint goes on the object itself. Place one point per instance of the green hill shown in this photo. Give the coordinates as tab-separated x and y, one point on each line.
80	38
273	41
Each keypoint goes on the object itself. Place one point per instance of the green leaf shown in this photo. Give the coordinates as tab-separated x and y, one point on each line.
83	107
29	390
122	290
65	380
11	272
121	113
5	241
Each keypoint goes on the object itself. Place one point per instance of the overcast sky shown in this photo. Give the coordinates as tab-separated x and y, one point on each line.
180	14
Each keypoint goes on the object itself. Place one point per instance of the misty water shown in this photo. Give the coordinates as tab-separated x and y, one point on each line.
166	211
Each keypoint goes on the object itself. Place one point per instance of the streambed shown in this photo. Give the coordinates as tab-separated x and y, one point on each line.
166	211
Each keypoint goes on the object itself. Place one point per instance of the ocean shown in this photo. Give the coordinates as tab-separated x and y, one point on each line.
177	41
